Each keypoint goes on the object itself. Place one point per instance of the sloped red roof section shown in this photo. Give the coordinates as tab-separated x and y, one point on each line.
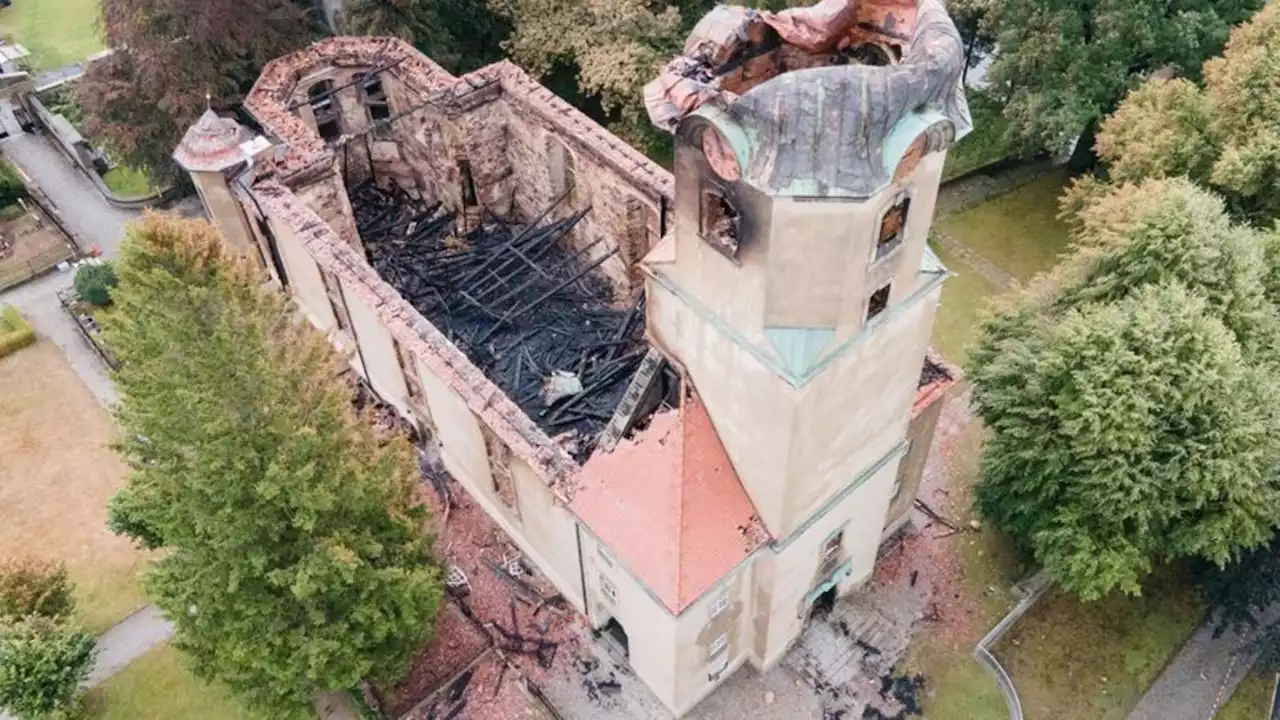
670	506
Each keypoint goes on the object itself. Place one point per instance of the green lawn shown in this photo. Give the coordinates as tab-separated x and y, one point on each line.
57	32
1069	660
964	297
1251	701
1093	661
1019	232
127	182
158	686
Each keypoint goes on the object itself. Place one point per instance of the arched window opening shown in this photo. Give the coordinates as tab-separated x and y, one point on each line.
325	110
379	107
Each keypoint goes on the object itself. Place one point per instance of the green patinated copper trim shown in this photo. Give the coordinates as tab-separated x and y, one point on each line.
905	132
770	359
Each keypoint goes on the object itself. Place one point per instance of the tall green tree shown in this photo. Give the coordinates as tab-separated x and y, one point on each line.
170	56
295	559
461	35
1068	63
616	47
1129	395
1225	135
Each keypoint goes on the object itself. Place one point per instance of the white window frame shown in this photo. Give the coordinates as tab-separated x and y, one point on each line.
718	646
608	590
720	604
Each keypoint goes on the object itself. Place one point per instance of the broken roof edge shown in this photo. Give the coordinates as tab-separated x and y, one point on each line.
575	127
702	465
929	393
418	335
269	99
268	102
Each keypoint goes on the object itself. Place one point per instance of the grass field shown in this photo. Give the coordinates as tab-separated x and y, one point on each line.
57	32
1093	661
1019	231
1069	660
127	182
56	475
158	686
964	297
1251	700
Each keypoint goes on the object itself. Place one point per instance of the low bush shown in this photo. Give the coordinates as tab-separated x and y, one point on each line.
12	188
94	282
15	332
34	587
42	664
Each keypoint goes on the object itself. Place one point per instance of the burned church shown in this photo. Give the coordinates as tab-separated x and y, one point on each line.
697	400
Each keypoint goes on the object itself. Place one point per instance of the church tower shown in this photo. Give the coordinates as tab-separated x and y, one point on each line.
795	288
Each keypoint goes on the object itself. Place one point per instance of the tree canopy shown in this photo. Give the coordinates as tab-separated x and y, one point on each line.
295	559
1127	394
616	46
172	57
1069	63
461	35
1225	134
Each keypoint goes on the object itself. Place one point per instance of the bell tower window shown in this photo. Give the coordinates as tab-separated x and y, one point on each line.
878	302
719	223
324	110
375	100
893	226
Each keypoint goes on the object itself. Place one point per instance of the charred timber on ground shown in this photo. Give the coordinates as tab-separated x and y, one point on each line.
523	306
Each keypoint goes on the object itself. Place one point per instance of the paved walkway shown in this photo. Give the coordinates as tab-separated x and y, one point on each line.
127	641
1199	680
94	222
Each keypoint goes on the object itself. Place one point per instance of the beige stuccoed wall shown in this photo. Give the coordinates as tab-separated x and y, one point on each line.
857	410
550	531
651	630
540	525
305	283
789	570
794	448
697	629
225	212
378	354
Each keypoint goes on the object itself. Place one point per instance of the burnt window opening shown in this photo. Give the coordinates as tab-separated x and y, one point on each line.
831	552
720	224
337	303
324	110
878	302
379	107
564	173
408	368
500	468
614	631
893	227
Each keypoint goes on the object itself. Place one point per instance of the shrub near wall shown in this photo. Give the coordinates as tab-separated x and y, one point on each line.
15	332
12	188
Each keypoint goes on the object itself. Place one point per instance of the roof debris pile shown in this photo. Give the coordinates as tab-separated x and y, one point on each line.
529	312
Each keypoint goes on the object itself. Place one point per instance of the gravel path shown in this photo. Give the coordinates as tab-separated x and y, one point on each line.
1199	680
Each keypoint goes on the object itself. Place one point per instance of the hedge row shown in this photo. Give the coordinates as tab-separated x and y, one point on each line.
15	332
